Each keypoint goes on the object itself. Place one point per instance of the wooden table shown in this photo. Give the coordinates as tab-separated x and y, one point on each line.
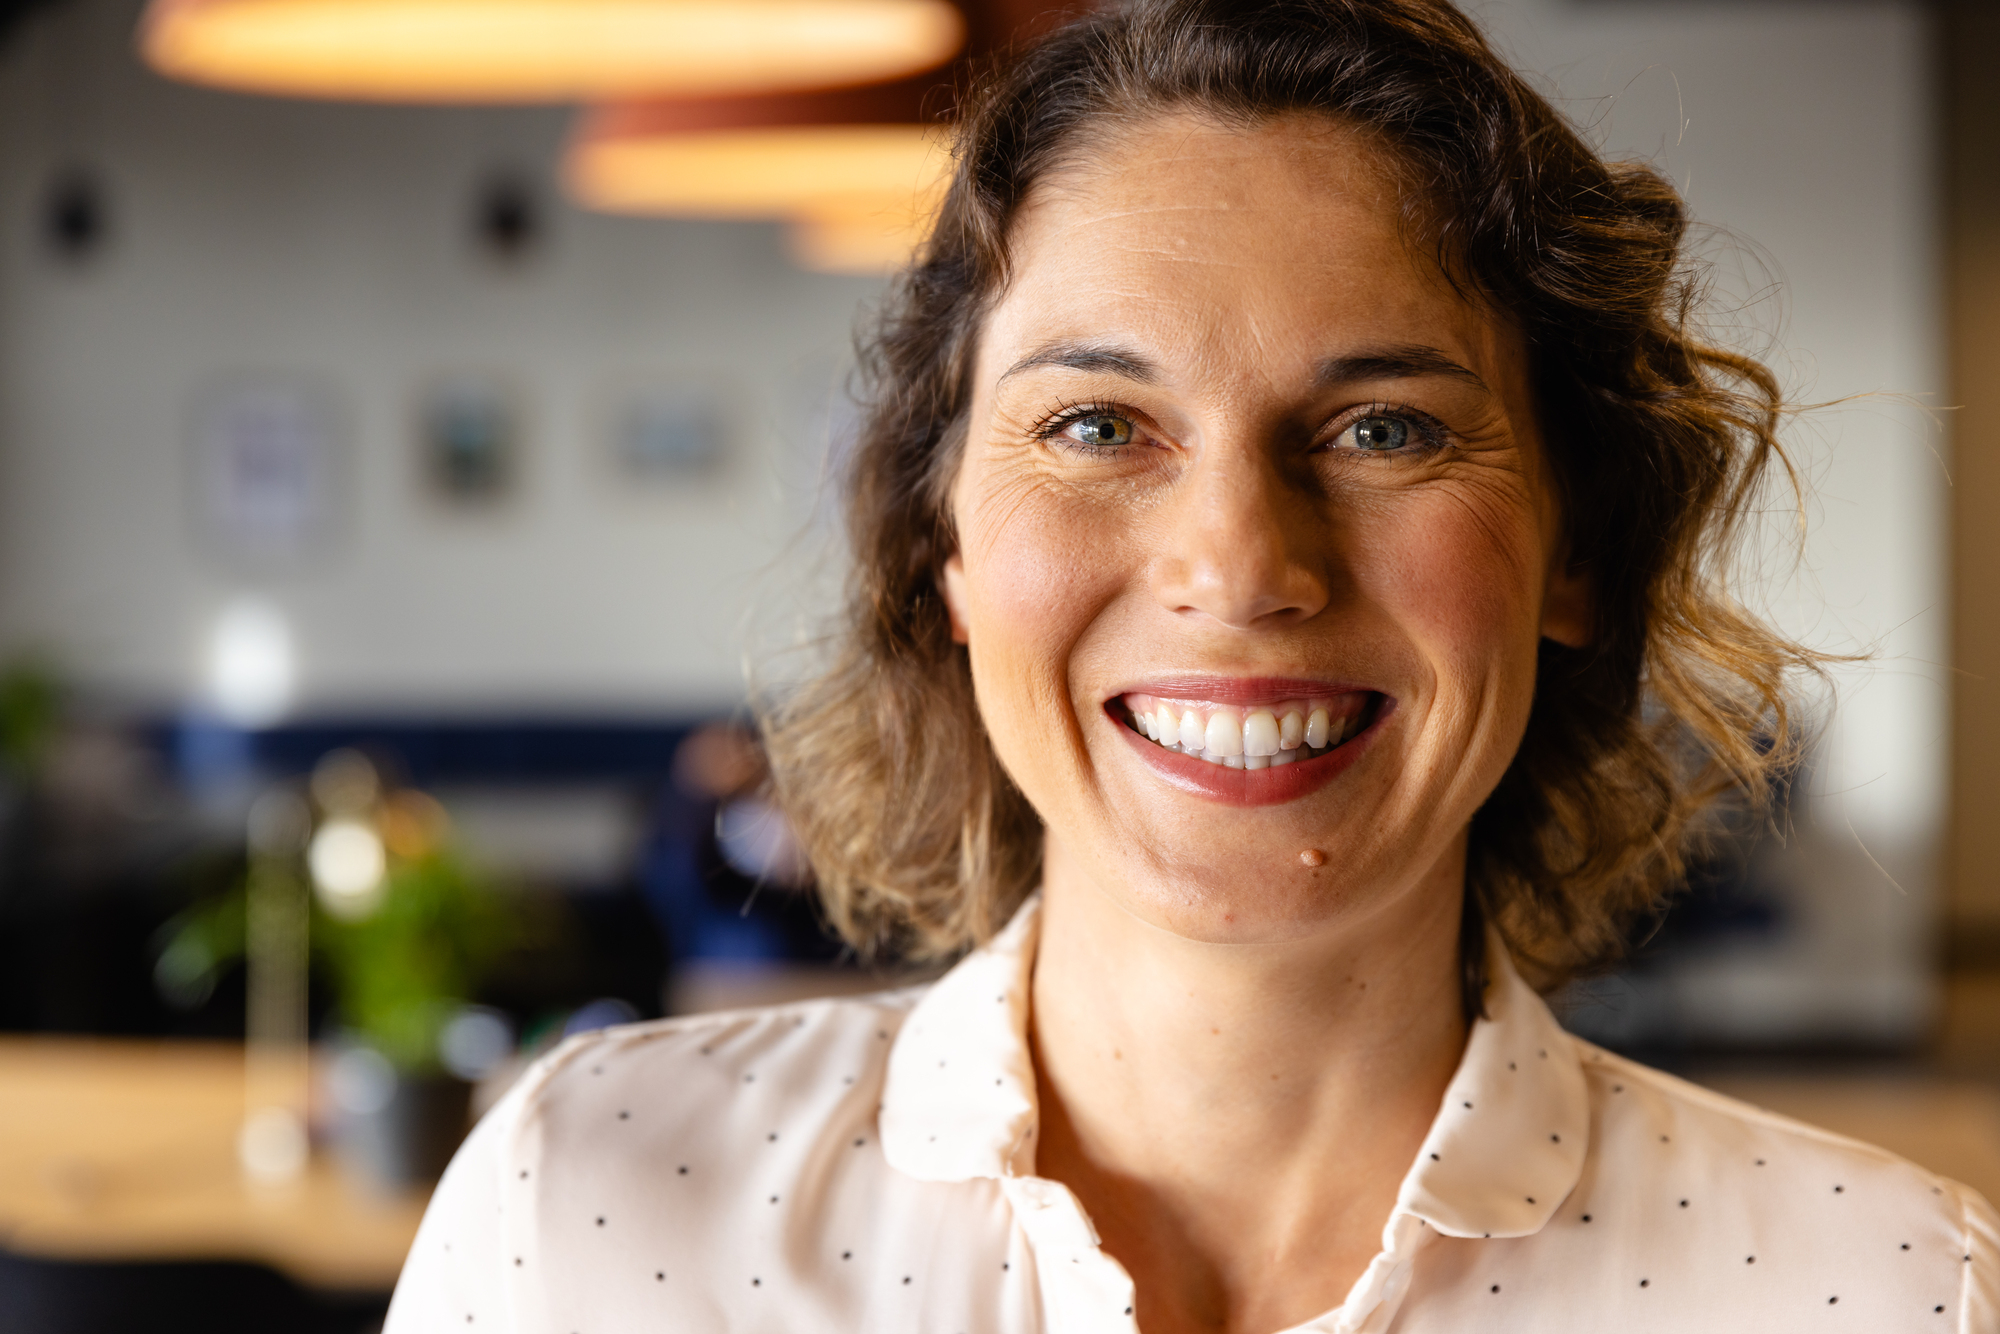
116	1150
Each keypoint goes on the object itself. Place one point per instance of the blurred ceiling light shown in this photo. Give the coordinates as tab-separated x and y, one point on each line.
859	235
858	172
542	50
753	173
250	669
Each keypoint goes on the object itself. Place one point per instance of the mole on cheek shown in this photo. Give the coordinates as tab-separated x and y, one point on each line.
1312	859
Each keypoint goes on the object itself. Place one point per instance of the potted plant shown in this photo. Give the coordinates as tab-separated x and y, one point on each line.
404	930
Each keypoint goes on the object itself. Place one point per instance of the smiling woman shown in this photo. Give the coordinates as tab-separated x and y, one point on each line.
1288	632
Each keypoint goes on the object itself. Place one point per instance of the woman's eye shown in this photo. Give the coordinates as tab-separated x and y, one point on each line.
1100	430
1380	435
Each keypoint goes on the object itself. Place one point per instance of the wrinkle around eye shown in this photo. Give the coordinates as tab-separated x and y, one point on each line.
1026	494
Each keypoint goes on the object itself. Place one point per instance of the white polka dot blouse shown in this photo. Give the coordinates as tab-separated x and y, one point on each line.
867	1166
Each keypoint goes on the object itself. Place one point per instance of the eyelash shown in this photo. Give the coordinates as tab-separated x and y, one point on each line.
1431	433
1051	427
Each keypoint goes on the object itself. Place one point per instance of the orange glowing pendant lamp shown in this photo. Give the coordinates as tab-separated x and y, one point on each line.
501	51
858	173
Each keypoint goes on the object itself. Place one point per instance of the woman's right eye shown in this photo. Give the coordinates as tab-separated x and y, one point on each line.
1099	430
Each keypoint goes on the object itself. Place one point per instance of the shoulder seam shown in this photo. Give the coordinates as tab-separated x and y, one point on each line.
1673	1086
570	1050
890	1002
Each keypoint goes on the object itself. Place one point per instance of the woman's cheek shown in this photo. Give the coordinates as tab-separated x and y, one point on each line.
1038	572
1464	582
1037	568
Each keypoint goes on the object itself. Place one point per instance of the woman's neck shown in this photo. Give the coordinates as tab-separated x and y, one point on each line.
1238	1118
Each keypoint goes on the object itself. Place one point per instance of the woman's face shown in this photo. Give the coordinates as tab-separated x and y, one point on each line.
1256	535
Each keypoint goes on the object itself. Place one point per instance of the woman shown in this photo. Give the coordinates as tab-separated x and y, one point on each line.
1284	639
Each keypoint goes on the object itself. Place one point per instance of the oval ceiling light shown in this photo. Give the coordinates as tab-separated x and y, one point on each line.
542	50
754	172
858	171
861	236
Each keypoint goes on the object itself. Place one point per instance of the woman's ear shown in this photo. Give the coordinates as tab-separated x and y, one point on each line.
1566	604
951	585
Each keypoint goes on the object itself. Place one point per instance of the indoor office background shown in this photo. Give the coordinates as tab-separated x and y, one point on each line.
376	515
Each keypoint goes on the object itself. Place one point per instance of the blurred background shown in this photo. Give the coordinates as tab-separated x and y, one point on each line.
414	414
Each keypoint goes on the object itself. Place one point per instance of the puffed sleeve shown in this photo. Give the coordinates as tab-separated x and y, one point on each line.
1979	1305
456	1274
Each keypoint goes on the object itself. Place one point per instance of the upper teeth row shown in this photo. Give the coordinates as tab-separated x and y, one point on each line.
1268	735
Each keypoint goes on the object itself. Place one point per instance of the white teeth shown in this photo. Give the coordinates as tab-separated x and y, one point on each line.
1260	734
1264	737
1316	729
1291	731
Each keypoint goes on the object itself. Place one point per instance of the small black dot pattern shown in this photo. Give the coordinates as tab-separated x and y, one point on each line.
664	1138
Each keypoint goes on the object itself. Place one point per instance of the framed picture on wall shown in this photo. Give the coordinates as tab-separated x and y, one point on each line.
667	431
267	463
470	437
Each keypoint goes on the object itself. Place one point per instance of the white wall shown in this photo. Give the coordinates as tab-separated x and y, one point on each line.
1804	132
269	237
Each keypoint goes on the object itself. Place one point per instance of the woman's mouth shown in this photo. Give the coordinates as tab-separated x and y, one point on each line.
1256	737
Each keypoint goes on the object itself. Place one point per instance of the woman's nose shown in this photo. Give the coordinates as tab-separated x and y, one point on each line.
1241	546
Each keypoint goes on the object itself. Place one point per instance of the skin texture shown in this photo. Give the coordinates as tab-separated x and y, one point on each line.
1240	1051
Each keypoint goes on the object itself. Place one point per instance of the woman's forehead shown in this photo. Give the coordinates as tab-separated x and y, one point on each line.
1214	242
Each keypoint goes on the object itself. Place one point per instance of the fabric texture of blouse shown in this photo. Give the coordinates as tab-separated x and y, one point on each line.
867	1167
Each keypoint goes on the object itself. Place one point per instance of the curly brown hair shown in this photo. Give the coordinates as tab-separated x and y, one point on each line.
1660	442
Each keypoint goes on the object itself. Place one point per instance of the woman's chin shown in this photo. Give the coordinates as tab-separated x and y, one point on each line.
1267	894
1277	915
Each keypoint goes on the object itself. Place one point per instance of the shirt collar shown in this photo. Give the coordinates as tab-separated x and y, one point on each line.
1508	1142
958	1100
1506	1148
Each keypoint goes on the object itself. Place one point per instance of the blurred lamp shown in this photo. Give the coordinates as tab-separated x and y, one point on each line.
348	865
250	663
542	50
857	172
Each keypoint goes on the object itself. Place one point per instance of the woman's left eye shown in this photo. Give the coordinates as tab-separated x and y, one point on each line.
1099	430
1381	435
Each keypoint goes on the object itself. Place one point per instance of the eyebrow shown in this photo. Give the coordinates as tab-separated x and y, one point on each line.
1089	357
1405	362
1394	363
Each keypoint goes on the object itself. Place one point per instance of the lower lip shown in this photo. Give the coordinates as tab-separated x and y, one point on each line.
1254	787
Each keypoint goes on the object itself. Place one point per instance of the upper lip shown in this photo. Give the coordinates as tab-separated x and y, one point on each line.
1243	691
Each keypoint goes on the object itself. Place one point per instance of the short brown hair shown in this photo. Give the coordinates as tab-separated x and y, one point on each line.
1659	442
